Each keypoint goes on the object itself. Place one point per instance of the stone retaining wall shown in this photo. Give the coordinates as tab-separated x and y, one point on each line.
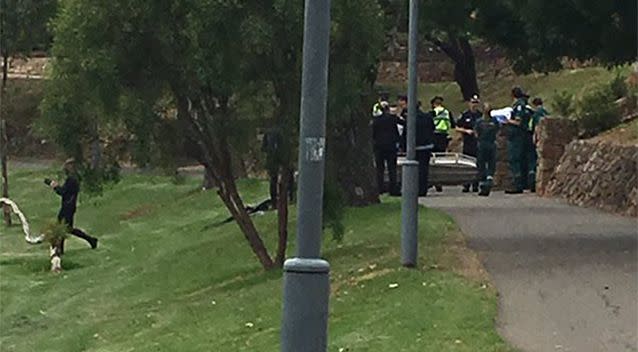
598	174
555	134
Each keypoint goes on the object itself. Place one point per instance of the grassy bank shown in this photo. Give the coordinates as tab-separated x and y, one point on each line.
498	91
166	278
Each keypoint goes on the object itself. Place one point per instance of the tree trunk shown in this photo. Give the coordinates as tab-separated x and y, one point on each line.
350	159
209	181
283	186
229	195
96	149
465	70
459	50
3	140
217	159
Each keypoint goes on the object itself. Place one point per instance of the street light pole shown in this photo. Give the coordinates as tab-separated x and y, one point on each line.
306	277
410	181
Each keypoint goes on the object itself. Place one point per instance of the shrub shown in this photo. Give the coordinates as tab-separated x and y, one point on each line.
563	103
597	111
54	232
618	86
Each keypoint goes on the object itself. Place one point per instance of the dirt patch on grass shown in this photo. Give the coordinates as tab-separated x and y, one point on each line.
463	261
138	212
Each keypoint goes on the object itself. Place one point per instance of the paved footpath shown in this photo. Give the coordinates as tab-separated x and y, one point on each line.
567	277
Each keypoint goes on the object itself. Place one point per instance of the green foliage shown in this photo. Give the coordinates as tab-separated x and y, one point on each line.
597	111
618	85
333	210
563	103
54	232
539	34
94	181
27	25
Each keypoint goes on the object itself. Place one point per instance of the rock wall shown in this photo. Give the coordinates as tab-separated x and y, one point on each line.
502	177
598	174
555	134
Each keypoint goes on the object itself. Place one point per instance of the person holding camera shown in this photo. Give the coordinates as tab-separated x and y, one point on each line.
69	193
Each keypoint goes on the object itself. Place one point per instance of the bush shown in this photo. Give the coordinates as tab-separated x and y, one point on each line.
563	103
597	111
54	232
618	86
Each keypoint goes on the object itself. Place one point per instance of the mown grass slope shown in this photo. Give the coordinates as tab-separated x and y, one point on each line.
166	278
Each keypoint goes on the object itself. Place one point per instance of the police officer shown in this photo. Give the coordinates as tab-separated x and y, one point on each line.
516	128
386	139
443	123
532	139
465	125
377	109
486	130
424	146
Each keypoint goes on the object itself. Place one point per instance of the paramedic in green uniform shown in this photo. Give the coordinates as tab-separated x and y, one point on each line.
516	128
486	130
532	138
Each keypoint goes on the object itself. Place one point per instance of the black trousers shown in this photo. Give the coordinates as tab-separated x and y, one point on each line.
67	218
471	149
273	180
441	142
381	159
423	157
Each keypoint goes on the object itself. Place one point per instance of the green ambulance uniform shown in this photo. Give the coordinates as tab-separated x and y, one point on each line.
486	132
516	146
532	155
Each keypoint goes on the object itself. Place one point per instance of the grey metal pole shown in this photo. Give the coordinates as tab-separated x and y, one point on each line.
410	181
306	278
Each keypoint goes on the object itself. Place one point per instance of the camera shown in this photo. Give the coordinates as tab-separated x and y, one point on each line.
48	181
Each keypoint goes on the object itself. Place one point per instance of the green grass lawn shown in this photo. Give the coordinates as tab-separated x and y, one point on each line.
162	281
498	91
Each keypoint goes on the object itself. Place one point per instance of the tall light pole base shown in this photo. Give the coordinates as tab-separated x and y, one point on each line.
306	296
409	216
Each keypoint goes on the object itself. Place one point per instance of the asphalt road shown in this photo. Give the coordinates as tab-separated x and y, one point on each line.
567	277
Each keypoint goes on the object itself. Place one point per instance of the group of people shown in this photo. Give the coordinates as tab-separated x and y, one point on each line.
479	126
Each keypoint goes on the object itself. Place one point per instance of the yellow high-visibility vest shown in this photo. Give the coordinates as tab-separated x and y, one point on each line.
442	122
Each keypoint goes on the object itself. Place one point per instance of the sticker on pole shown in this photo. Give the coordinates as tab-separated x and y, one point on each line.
315	147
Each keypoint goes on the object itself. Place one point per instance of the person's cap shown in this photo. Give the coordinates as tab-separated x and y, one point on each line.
475	99
437	99
518	92
537	101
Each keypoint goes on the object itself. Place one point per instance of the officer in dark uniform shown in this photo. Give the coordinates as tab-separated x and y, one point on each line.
486	131
69	193
424	146
516	137
465	125
386	139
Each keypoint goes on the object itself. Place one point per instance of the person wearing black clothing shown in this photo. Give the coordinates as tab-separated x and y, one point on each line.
69	193
385	137
272	145
465	125
424	146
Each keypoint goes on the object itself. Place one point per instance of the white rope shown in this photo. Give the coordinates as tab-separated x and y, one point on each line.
25	225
